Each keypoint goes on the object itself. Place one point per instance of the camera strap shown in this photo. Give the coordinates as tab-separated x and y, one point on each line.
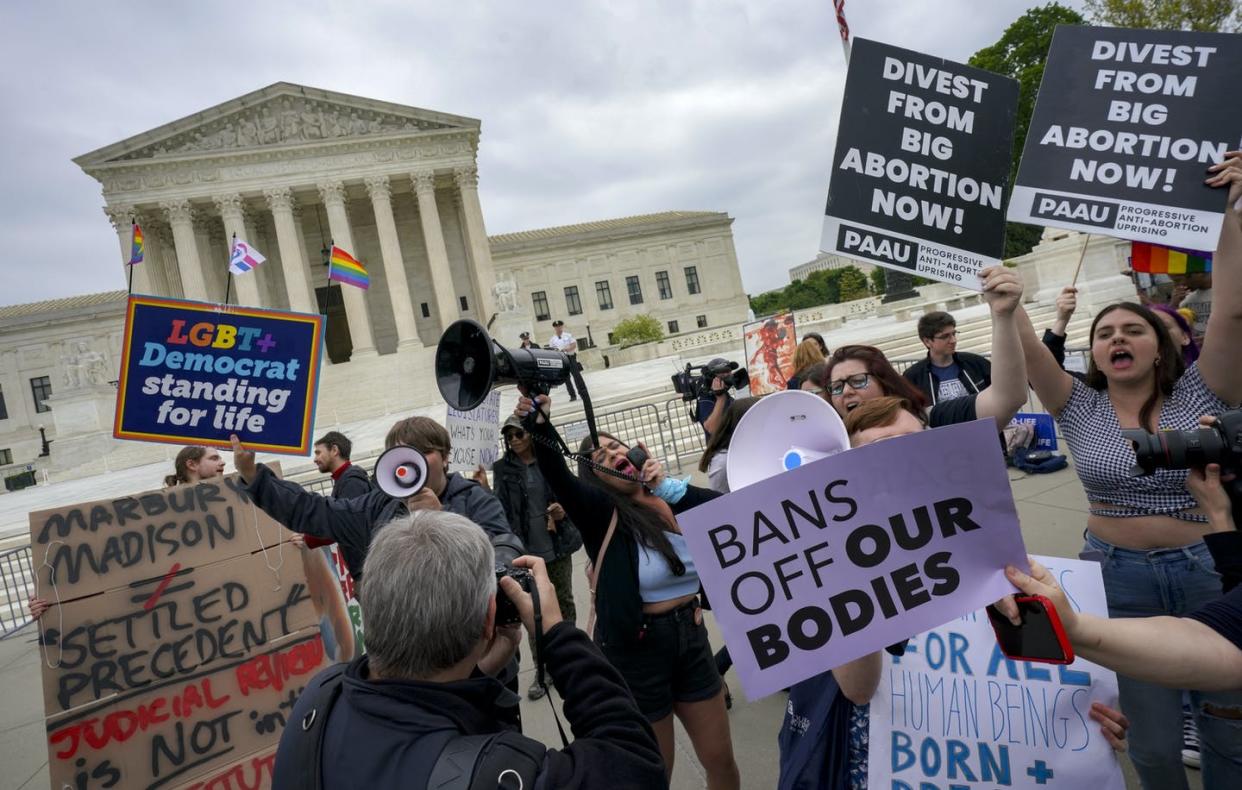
540	674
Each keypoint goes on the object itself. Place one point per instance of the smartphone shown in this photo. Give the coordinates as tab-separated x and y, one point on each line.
1041	636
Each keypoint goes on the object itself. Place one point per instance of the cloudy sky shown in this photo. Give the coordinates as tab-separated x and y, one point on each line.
590	109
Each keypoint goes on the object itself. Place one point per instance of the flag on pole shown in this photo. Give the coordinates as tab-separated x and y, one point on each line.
136	244
344	268
843	26
1155	259
244	257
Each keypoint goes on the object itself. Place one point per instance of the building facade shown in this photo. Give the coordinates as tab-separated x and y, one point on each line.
827	262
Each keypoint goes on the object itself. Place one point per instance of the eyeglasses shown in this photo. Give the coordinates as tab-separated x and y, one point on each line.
516	433
858	381
945	335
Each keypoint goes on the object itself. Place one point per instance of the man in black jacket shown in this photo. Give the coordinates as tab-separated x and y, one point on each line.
946	374
332	458
424	683
353	522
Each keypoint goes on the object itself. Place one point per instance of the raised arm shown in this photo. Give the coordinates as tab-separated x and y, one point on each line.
585	505
1050	382
1218	360
1002	289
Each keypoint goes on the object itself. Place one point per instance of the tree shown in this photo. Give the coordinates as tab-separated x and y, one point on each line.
878	283
1021	53
853	284
637	329
1203	15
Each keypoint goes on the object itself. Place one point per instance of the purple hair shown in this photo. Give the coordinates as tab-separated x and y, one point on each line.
1190	351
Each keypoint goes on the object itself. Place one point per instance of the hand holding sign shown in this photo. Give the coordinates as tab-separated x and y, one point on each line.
1229	173
1002	289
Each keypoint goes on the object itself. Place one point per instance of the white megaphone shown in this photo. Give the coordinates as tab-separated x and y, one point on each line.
401	471
783	431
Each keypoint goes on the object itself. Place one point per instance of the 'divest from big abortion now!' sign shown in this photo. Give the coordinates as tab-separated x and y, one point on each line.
193	373
922	165
1126	124
831	561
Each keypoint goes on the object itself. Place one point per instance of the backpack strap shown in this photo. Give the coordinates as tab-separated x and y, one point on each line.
306	754
500	761
596	568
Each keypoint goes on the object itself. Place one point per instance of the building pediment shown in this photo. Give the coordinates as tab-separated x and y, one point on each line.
280	115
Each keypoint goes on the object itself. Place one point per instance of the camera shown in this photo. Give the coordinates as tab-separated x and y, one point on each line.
692	386
1219	444
506	609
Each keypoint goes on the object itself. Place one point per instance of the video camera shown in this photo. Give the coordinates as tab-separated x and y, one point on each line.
691	387
1219	444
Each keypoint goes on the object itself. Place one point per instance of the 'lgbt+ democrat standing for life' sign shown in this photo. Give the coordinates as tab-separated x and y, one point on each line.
193	373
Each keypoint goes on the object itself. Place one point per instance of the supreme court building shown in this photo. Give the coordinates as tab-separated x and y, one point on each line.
291	170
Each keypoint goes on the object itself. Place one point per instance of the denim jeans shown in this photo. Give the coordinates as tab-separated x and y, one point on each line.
1170	582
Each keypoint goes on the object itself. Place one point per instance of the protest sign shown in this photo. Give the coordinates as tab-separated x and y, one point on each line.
182	629
921	164
954	712
193	373
1045	429
825	563
1124	129
475	434
769	344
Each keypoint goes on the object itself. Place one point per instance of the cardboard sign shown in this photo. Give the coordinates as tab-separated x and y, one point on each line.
193	373
770	344
1124	129
475	434
953	711
825	563
921	165
1045	428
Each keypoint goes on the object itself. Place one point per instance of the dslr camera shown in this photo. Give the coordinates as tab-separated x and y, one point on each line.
1219	444
696	380
506	609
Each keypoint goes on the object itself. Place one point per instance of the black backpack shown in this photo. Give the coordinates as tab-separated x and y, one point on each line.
501	761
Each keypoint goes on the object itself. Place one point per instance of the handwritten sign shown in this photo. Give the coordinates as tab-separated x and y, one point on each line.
194	373
183	629
921	165
475	434
953	711
825	563
1121	142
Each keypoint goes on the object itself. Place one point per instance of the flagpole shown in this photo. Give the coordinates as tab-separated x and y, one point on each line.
1081	254
228	277
843	26
130	265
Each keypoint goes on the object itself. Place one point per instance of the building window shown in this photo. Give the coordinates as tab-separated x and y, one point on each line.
603	292
41	389
692	280
464	306
635	289
6	457
4	410
540	301
426	310
572	303
701	320
672	328
664	286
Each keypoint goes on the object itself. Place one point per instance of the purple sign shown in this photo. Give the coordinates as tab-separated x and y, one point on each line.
828	562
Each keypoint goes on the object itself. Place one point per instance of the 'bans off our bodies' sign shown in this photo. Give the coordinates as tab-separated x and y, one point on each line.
193	373
834	560
921	165
1126	125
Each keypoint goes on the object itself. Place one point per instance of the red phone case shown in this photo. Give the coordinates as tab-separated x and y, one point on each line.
1054	620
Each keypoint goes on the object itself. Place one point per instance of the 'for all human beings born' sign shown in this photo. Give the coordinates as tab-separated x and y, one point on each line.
1124	129
921	165
194	373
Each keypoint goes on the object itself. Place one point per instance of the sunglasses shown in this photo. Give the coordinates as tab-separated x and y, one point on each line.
858	381
516	433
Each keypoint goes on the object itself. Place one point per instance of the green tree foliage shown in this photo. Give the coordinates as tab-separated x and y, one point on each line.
1021	53
637	329
823	287
853	284
878	284
1202	15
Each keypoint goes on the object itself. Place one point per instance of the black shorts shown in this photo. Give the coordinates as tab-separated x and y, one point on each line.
671	662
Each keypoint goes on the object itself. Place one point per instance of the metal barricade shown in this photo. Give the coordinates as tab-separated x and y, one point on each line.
633	424
17	577
683	428
321	486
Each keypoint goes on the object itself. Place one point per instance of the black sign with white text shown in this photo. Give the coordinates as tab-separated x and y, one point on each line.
1124	129
922	164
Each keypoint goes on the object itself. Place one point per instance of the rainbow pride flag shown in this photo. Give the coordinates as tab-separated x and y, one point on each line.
1154	259
136	246
344	268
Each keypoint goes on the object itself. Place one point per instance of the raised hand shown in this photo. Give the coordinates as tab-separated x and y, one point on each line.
1002	289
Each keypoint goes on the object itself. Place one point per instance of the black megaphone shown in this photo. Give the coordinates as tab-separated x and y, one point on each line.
401	471
469	363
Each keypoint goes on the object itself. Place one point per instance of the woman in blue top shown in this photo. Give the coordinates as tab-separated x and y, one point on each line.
1149	530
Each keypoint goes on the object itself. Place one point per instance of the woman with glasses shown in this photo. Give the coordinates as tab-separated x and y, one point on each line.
856	374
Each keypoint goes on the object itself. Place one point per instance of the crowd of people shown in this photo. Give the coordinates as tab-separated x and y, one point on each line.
439	676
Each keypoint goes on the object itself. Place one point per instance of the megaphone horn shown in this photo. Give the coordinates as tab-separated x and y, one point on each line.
783	431
401	471
469	363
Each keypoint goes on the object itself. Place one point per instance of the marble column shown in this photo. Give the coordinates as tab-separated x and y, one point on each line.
157	257
233	213
292	266
333	195
212	259
482	273
181	218
437	253
166	254
122	218
380	190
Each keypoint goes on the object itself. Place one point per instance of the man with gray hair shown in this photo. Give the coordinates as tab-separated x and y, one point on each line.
421	708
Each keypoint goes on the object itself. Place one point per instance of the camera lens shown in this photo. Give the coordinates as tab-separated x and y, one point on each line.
1175	449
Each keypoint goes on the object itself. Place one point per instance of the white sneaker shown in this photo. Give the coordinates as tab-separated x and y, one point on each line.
1190	741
